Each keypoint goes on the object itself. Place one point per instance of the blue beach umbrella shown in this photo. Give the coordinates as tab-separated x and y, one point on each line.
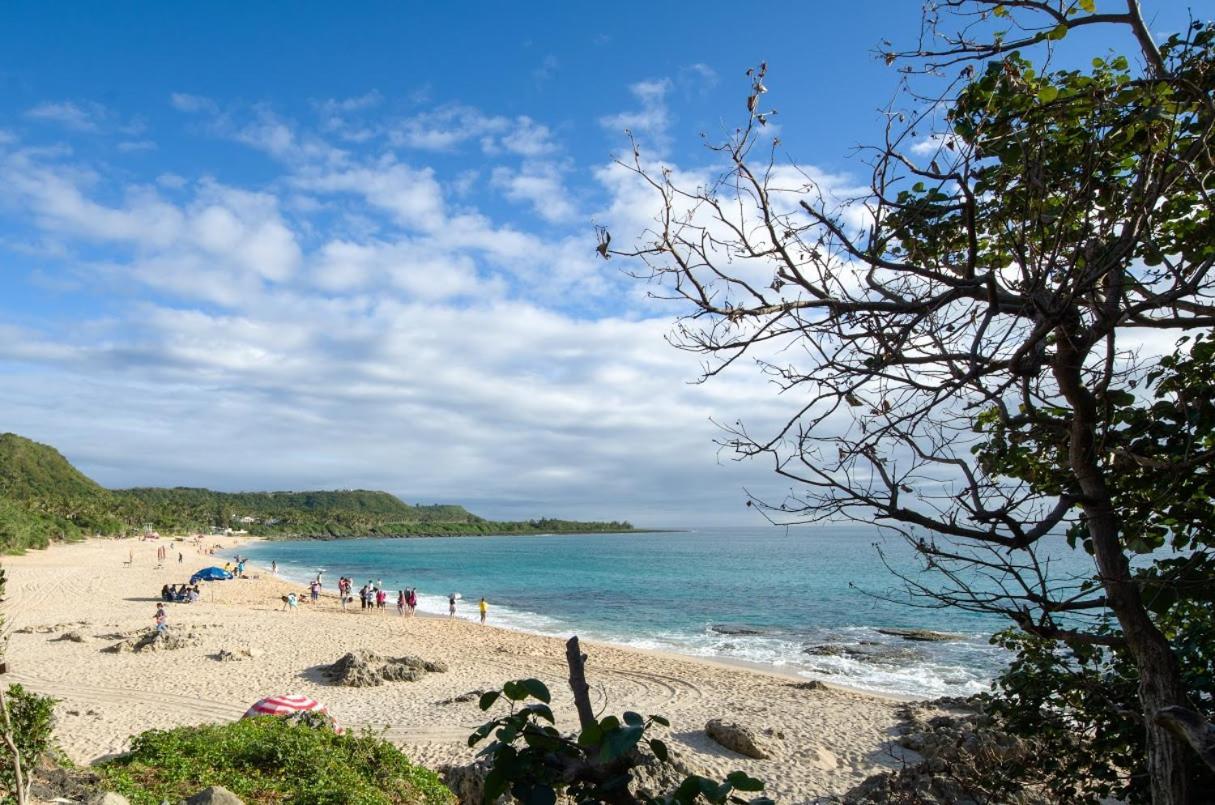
210	574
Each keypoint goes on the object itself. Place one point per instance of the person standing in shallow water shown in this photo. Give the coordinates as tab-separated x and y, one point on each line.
451	605
484	609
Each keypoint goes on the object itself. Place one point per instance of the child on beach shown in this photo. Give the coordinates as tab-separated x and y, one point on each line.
162	619
484	609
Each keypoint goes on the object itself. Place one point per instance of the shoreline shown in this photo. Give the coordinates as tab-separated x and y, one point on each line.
720	662
823	742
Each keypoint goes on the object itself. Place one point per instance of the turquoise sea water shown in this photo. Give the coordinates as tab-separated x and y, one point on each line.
802	600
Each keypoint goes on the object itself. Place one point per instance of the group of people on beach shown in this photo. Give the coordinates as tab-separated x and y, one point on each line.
371	595
179	593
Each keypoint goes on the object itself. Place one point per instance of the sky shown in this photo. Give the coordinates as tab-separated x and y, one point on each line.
256	246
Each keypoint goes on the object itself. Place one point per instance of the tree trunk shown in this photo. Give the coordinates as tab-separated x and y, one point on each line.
1160	683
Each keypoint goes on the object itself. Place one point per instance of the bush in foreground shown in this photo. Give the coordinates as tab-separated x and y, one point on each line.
268	760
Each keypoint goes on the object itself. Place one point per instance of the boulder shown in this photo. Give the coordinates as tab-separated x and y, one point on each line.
737	738
359	669
74	636
108	798
215	795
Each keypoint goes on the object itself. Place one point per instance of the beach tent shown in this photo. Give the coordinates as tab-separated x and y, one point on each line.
285	705
291	705
210	574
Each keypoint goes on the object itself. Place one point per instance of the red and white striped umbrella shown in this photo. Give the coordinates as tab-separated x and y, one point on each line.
285	705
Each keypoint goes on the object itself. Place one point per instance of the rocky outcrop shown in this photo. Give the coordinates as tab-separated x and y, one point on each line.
236	654
74	636
958	743
869	652
153	640
920	635
737	738
214	795
360	669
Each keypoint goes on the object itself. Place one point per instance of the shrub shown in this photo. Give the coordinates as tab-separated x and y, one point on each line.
33	719
267	760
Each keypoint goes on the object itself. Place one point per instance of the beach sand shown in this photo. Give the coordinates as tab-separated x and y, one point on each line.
831	739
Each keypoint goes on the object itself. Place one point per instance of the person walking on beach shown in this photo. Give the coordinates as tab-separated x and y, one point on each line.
451	605
400	603
162	620
180	557
273	567
363	597
315	589
484	609
411	599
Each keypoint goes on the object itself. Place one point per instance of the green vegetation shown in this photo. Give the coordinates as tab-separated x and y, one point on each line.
533	761
43	498
264	760
29	721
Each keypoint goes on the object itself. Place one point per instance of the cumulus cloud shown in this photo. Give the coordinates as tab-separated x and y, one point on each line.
360	318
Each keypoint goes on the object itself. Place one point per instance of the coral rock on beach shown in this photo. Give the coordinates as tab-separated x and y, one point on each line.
153	640
737	738
359	669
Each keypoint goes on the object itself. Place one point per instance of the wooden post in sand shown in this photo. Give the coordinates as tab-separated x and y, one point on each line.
582	691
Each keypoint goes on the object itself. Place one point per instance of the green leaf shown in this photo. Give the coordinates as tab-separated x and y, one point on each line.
488	698
633	719
743	782
1048	93
660	750
538	689
1058	32
660	720
590	736
515	690
1088	5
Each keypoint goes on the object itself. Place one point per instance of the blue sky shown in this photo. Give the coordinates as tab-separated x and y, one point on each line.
271	245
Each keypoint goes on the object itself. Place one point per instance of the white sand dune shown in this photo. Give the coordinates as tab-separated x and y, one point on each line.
831	739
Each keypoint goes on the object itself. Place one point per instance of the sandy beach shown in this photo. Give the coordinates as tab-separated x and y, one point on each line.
823	742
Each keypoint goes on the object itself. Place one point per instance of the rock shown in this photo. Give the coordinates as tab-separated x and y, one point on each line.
737	629
359	669
233	655
921	635
215	795
736	738
467	782
867	651
812	684
471	696
74	636
109	798
153	640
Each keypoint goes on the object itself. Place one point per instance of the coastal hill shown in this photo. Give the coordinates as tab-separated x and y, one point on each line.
43	498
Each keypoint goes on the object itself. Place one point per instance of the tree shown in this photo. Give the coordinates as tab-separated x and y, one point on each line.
966	341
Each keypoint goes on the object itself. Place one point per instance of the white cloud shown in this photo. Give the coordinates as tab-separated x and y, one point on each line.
192	104
651	123
539	184
78	117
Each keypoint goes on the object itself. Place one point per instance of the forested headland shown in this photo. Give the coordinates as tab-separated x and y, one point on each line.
44	498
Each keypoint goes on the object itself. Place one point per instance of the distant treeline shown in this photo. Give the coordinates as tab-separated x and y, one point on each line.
43	498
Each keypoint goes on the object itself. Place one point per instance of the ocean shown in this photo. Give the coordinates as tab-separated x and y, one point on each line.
802	600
